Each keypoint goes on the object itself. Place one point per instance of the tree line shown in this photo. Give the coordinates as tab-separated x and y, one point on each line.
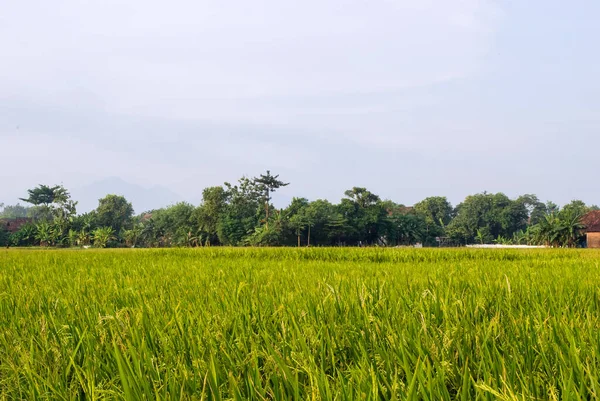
242	214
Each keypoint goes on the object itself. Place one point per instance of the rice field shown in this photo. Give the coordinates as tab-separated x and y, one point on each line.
300	324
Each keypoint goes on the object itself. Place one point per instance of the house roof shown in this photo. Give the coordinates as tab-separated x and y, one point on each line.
592	221
14	224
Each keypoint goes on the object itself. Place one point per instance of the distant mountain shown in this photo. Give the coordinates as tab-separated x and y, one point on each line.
142	198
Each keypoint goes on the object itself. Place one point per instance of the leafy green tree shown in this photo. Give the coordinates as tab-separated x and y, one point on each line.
114	211
242	211
492	214
437	213
84	225
436	210
365	215
268	184
44	195
298	224
362	197
175	225
318	215
296	217
14	211
514	217
575	208
150	236
51	203
406	228
536	210
207	215
551	207
337	229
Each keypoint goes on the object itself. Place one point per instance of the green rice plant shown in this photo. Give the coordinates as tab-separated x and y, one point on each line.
299	324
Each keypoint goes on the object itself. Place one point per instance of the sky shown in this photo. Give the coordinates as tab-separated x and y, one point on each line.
409	98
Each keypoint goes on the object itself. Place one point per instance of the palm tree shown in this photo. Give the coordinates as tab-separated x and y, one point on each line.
298	223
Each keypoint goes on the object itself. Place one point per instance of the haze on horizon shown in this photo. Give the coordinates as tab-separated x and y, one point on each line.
407	98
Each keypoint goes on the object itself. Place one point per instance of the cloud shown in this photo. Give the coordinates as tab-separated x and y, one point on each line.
145	56
192	93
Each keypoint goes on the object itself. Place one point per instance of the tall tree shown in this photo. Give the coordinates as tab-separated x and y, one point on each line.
437	214
174	225
577	207
362	197
269	184
14	211
52	202
535	208
318	215
365	215
487	216
241	213
114	211
296	215
207	215
436	210
46	195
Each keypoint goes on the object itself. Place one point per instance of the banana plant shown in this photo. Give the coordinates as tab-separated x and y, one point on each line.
72	237
102	236
44	233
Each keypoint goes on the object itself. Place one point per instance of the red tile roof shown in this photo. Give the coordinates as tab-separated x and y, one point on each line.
14	225
592	221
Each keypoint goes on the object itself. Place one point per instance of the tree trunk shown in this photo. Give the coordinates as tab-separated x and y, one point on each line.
267	208
298	240
308	242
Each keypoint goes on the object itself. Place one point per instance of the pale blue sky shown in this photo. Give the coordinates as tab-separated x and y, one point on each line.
408	98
